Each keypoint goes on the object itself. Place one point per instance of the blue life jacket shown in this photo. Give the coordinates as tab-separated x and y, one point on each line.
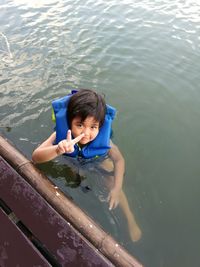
99	146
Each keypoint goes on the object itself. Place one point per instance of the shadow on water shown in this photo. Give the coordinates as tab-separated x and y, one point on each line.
56	171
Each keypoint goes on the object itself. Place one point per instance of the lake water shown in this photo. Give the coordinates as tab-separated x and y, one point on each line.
145	57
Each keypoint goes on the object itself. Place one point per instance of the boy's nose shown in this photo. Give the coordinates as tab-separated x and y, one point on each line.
86	131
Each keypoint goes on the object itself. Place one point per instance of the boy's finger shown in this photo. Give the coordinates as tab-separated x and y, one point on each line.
69	135
111	205
115	205
77	139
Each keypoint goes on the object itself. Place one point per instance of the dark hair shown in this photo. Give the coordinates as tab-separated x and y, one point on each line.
86	103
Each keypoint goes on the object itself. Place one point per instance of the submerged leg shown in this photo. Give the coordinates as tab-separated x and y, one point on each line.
134	229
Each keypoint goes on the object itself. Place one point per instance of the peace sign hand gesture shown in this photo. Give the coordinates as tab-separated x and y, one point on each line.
67	145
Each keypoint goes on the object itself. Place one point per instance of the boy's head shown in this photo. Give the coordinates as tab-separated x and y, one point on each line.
86	114
86	103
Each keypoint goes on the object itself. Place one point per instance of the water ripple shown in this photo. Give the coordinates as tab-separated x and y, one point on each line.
92	40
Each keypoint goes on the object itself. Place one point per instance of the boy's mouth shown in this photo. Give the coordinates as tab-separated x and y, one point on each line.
84	139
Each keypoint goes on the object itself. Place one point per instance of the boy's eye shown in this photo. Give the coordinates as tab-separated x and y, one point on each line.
94	127
79	125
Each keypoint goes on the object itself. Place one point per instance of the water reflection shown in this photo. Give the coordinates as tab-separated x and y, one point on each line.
7	56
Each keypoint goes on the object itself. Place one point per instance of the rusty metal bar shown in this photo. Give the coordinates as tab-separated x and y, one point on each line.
66	208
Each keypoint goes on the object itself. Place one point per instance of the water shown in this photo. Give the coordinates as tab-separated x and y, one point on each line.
144	56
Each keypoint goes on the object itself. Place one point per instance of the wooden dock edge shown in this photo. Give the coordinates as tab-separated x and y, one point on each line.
66	208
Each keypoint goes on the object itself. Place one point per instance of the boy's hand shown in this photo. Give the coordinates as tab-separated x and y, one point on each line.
113	198
67	145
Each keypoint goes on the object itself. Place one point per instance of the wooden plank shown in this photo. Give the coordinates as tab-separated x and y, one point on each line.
15	248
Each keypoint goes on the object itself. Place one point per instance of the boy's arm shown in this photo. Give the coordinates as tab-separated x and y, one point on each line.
46	151
119	167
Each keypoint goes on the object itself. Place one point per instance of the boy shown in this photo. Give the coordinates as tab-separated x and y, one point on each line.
83	129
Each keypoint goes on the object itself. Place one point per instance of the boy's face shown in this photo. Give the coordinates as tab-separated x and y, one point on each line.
90	128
